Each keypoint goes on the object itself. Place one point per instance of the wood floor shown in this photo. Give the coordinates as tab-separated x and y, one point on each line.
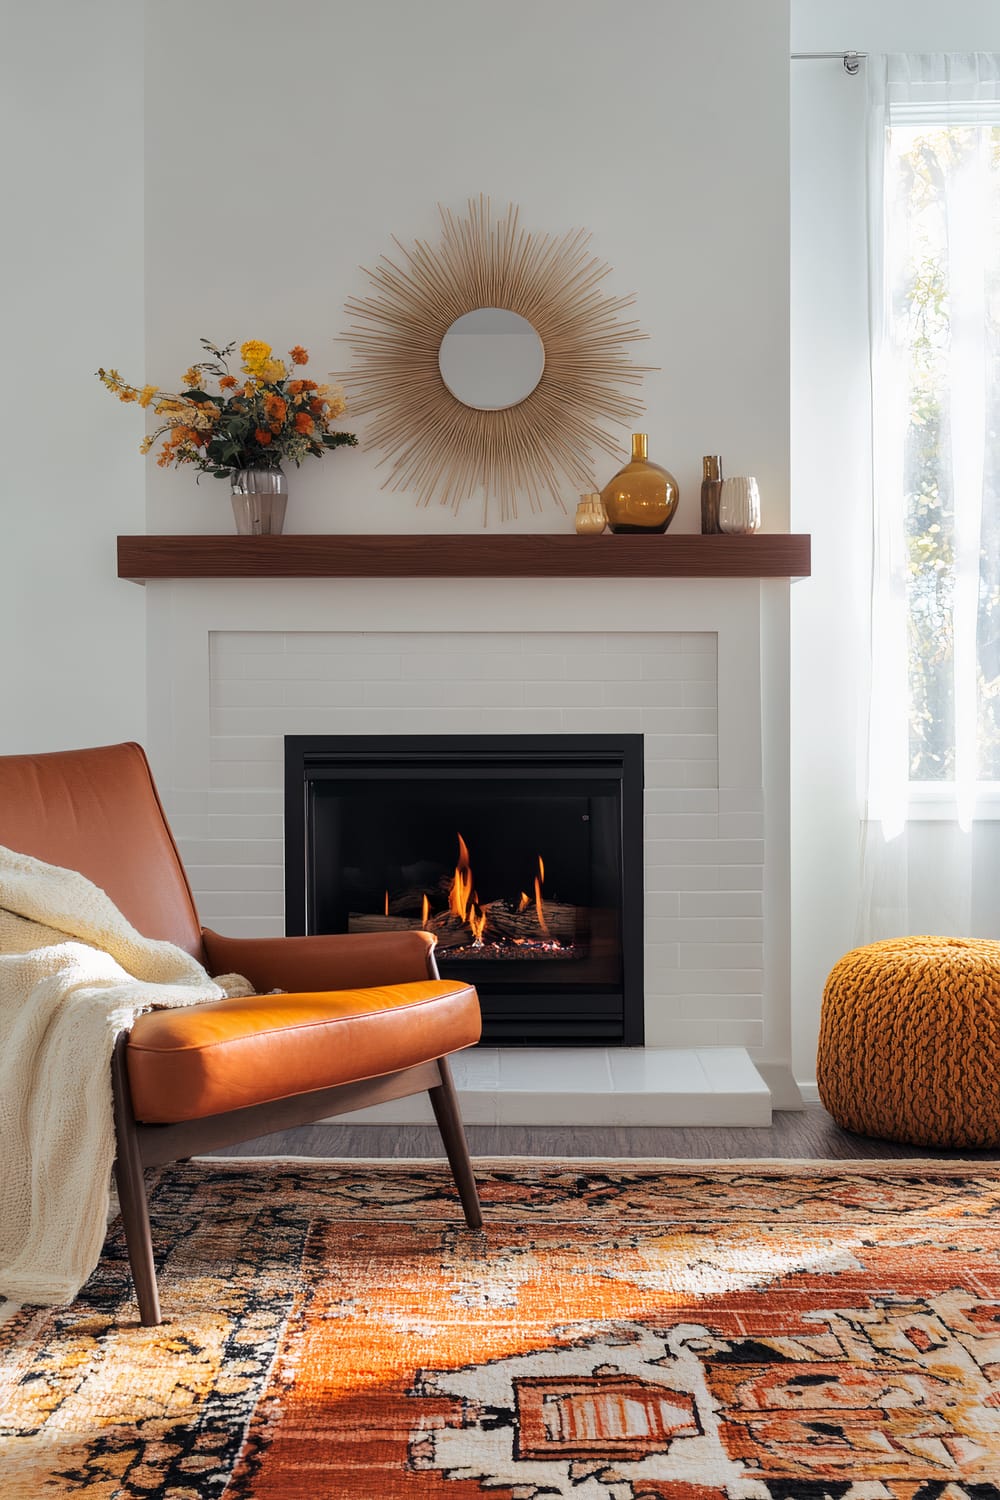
808	1133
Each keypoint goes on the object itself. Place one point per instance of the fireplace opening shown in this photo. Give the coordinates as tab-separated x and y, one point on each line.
521	853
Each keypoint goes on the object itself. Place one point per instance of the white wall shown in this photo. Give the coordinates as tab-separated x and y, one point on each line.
831	494
73	661
284	153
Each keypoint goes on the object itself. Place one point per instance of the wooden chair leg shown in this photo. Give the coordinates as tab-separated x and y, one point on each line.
132	1193
449	1123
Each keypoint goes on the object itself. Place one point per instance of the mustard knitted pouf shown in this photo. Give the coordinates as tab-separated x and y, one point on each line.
909	1043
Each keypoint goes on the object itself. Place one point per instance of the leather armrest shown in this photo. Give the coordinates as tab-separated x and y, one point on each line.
334	961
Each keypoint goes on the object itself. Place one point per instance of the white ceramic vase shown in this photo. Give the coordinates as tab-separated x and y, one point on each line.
739	506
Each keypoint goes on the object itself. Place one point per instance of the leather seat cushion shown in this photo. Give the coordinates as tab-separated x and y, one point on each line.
201	1060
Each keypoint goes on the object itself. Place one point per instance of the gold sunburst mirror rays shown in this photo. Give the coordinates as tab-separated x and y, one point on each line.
403	375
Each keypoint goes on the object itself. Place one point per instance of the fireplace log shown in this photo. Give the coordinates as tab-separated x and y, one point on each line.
362	921
560	919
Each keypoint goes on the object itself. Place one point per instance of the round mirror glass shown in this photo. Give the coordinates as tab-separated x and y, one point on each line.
491	358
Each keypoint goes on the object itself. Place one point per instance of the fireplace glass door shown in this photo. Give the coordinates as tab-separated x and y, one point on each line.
521	854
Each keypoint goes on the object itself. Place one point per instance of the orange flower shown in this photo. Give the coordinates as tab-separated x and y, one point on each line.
303	422
263	436
315	407
309	385
298	355
191	377
295	387
227	382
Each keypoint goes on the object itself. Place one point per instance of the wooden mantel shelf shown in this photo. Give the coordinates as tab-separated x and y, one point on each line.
491	555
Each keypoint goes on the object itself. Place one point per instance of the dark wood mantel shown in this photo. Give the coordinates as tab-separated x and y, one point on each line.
490	555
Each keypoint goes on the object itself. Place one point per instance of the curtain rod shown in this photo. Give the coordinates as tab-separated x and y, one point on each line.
851	60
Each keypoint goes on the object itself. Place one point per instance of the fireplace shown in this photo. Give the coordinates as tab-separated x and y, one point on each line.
522	853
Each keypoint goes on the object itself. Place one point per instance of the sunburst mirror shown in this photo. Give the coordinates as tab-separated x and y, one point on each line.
492	363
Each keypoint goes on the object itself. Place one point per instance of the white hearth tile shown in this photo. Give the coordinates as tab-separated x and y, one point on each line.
741	1033
522	721
227	643
729	1069
680	719
741	825
244	747
720	1007
209	878
247	927
600	721
702	694
683	825
662	799
637	1086
582	694
584	666
636	643
740	877
662	756
727	852
663	905
700	640
232	775
658	1070
714	929
644	694
659	955
721	904
555	1069
215	906
722	955
699	772
711	982
687	877
678	1032
235	852
476	1068
741	800
235	693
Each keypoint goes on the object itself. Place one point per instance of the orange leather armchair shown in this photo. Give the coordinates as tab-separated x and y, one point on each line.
365	1018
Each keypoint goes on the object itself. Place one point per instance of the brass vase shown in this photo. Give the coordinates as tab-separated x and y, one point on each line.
642	497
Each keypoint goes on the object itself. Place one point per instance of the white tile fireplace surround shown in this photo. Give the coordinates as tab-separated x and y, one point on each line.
239	664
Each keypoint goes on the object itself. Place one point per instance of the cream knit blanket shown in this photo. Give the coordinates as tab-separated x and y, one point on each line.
73	974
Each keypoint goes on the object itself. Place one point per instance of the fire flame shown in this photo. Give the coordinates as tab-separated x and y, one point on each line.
461	887
539	912
425	911
525	902
387	903
477	921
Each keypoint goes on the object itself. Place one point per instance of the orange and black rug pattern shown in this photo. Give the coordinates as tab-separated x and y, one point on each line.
671	1331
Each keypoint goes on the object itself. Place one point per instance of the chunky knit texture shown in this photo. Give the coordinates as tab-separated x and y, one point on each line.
909	1044
73	973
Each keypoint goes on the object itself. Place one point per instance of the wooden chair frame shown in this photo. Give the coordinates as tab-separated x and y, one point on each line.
140	1146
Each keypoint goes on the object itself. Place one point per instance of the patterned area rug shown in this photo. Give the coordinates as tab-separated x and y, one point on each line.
675	1331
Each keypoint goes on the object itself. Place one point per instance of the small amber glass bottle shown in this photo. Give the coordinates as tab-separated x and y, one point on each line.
642	497
711	489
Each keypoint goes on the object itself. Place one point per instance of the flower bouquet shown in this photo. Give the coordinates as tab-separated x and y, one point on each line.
259	418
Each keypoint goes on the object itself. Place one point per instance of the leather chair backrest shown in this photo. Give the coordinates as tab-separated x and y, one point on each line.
97	811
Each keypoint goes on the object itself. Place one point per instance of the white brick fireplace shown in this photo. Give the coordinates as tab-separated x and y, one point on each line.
236	665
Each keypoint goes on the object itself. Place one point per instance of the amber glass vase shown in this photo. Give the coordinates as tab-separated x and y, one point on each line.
642	497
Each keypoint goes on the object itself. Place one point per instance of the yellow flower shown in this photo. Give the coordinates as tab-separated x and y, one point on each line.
146	395
191	377
271	371
146	444
254	353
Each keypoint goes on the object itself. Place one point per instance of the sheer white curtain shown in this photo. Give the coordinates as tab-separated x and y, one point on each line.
930	862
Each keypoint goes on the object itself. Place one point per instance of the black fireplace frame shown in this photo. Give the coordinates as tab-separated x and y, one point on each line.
310	759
